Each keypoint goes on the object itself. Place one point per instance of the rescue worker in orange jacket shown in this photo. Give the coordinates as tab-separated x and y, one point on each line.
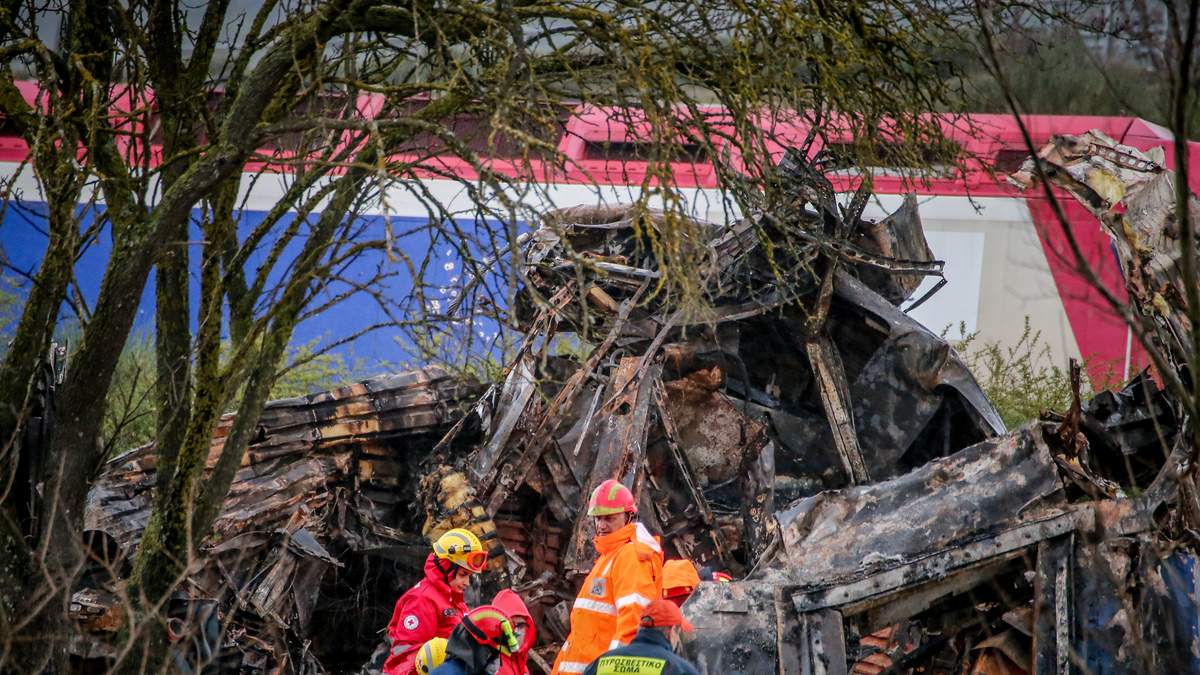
435	605
653	651
627	576
680	579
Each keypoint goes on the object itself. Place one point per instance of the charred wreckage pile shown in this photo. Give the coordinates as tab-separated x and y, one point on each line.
803	434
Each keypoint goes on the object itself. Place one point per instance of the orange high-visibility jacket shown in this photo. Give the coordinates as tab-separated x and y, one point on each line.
625	578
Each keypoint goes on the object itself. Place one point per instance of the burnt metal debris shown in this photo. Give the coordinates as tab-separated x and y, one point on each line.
800	432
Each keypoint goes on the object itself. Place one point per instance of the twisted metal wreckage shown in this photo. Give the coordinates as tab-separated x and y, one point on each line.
805	435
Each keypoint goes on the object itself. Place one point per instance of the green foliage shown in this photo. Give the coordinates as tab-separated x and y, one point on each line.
11	299
1022	379
1053	70
131	411
310	370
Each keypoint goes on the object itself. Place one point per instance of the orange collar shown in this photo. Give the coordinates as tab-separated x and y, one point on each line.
612	541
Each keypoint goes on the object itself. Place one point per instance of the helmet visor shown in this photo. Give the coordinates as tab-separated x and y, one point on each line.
474	560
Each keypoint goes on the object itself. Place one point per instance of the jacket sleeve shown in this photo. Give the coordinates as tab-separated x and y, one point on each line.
634	587
414	622
448	667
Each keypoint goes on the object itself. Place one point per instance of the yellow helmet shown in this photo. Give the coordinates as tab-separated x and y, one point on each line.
431	655
462	548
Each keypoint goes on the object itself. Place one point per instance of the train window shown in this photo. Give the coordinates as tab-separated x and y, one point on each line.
641	151
475	130
334	105
890	159
1009	160
154	120
8	128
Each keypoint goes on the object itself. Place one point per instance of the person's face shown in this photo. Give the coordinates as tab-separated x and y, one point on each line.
610	523
460	577
519	627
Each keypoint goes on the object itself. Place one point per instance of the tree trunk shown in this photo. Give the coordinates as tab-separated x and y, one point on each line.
73	457
22	508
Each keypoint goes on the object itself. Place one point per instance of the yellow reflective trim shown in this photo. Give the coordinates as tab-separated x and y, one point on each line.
630	665
487	614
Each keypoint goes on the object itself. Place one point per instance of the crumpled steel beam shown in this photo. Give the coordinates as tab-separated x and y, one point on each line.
838	536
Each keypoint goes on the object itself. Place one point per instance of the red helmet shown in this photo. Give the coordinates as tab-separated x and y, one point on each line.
611	497
490	627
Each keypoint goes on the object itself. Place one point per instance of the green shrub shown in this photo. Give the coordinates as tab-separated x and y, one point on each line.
1021	379
131	412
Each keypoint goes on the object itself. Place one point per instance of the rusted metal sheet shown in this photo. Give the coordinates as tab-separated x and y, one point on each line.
901	237
683	467
1134	196
328	472
97	610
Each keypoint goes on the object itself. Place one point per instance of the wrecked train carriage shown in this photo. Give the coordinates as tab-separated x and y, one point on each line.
1022	553
324	505
715	419
792	384
993	559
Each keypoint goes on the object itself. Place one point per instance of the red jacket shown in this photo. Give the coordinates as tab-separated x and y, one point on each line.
511	604
427	610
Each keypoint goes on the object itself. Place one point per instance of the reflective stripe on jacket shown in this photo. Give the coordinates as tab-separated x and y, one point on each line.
649	654
625	578
427	610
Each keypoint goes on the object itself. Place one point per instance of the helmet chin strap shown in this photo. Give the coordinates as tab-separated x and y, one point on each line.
444	570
